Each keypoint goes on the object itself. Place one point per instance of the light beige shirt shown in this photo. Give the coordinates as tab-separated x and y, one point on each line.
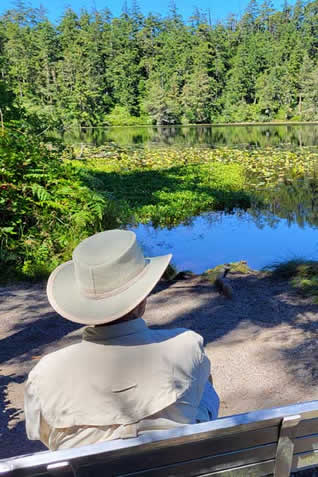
119	381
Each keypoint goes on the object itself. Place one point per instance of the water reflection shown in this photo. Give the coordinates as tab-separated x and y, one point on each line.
255	136
295	202
219	237
285	226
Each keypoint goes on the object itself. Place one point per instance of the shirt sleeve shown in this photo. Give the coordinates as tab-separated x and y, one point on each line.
209	400
32	410
197	365
192	365
204	370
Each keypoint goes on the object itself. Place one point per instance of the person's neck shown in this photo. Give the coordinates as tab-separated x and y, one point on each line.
117	322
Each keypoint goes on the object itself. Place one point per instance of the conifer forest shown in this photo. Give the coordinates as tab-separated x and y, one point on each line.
93	69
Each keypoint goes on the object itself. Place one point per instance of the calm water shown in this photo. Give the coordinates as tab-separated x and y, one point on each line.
213	136
286	229
217	238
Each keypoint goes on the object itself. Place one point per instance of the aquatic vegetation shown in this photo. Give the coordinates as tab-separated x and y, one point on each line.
269	167
168	187
50	201
262	167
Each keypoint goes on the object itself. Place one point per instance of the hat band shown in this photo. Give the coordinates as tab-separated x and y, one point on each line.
89	293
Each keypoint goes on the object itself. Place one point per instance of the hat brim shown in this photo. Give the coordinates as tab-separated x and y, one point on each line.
65	297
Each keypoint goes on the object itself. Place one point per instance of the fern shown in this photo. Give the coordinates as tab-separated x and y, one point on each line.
55	205
36	175
81	218
98	209
40	192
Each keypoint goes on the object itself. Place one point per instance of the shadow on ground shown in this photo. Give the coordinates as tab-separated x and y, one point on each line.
28	329
259	303
259	300
12	436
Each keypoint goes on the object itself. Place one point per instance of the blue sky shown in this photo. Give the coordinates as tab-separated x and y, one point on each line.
219	10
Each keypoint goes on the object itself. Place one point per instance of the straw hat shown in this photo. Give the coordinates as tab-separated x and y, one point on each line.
107	278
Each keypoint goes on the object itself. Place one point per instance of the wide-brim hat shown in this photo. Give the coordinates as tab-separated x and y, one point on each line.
107	278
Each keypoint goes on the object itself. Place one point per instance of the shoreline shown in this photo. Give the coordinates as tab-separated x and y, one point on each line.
243	123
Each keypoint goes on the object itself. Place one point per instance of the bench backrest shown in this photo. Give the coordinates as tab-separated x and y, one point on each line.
271	441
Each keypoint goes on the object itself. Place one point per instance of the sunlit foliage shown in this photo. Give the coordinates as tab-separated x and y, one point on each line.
95	69
45	208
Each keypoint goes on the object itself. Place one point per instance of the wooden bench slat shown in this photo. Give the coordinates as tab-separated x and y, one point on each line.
307	427
306	444
242	462
305	460
202	466
141	457
241	441
253	470
208	448
305	448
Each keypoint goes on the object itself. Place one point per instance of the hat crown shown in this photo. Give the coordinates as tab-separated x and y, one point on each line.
106	262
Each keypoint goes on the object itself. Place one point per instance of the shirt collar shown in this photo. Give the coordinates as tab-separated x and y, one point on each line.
105	333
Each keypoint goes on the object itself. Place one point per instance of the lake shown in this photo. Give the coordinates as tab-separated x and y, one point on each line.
218	237
285	229
287	136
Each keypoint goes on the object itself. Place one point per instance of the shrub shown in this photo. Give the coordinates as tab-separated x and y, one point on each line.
45	209
120	116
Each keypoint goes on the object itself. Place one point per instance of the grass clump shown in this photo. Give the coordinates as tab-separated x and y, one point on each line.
232	267
302	275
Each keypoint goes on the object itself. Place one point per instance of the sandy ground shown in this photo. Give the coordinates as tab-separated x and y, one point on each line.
262	344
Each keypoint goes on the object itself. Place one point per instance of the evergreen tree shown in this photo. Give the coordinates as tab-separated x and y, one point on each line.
198	96
259	67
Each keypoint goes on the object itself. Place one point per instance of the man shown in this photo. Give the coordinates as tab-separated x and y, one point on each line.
123	378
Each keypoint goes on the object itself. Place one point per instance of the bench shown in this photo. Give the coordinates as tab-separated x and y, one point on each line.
266	442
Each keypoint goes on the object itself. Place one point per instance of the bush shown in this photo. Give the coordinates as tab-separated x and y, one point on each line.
121	117
45	208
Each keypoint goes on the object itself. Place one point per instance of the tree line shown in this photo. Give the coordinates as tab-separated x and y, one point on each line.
96	69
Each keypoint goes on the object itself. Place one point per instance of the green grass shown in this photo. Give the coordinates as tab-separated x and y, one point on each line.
302	275
240	267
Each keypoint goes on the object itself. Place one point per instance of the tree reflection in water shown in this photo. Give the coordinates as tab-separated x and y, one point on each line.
282	136
295	201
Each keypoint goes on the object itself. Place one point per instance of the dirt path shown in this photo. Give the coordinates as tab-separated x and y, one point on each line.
262	344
